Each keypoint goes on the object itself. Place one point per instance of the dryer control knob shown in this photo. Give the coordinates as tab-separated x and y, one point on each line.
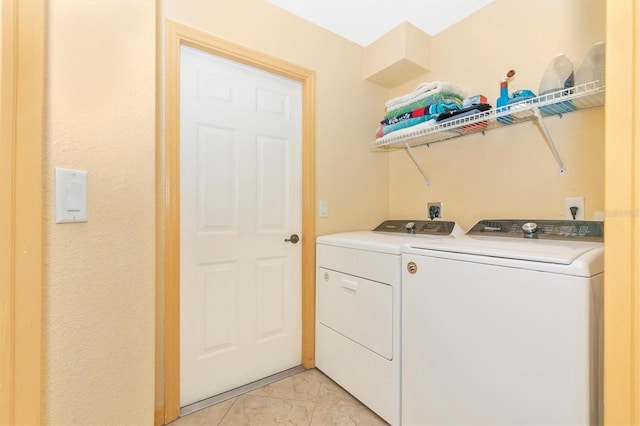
410	227
530	229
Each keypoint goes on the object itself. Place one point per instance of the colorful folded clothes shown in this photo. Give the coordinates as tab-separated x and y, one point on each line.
470	110
420	107
384	130
433	109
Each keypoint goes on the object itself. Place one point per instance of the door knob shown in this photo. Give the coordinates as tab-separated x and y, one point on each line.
292	239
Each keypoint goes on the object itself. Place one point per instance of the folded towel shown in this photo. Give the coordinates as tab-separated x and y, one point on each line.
423	90
384	130
429	109
436	98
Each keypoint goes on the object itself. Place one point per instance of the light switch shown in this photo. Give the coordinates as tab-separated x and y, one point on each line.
324	208
74	196
71	195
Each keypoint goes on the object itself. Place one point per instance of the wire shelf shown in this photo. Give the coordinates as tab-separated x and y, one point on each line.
588	95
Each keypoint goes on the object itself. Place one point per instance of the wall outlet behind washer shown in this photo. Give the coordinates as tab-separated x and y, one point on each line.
574	202
434	210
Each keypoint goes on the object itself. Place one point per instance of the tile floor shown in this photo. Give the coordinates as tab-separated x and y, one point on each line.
306	398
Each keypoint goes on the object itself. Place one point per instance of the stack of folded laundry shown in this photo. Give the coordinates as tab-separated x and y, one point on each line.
423	105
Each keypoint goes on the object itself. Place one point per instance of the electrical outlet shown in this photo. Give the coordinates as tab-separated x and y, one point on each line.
434	210
574	202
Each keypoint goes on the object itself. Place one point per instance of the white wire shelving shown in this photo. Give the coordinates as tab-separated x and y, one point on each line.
558	103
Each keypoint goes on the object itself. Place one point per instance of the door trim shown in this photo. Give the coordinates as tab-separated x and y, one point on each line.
21	151
622	224
168	205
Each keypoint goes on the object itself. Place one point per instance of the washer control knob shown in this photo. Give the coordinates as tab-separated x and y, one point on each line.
530	230
410	227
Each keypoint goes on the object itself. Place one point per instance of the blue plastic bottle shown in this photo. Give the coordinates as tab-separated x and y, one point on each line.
503	100
504	94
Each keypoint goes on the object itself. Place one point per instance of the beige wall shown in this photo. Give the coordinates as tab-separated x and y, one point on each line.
509	172
353	179
99	276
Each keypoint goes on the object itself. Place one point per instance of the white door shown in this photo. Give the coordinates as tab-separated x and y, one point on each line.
240	198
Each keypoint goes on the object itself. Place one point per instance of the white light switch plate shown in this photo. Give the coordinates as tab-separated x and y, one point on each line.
71	195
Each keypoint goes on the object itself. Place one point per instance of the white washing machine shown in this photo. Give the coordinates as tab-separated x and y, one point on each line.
358	308
504	327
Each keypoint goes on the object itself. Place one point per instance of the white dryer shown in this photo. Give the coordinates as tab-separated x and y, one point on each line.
358	308
504	327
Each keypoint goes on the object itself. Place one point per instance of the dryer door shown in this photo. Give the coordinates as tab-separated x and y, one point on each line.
359	309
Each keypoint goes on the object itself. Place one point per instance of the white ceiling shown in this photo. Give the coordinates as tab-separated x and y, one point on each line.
364	21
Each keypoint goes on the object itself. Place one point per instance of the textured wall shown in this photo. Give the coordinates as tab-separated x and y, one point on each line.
99	276
509	172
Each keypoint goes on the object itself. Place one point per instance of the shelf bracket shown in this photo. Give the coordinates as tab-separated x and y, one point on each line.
415	161
552	146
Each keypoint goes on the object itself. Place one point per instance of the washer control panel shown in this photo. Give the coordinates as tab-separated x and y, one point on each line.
582	230
422	227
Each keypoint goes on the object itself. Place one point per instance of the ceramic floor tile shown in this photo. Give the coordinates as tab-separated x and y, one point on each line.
332	392
207	416
336	406
306	398
344	412
303	386
262	410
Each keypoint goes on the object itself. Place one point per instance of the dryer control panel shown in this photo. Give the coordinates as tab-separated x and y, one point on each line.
544	229
423	227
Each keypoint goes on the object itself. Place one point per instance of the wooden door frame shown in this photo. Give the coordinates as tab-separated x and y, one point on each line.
21	150
168	214
622	224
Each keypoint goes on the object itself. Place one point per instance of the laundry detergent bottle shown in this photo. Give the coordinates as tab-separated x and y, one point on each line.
592	70
558	76
503	99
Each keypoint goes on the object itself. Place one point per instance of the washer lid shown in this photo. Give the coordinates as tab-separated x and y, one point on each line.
532	250
392	235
